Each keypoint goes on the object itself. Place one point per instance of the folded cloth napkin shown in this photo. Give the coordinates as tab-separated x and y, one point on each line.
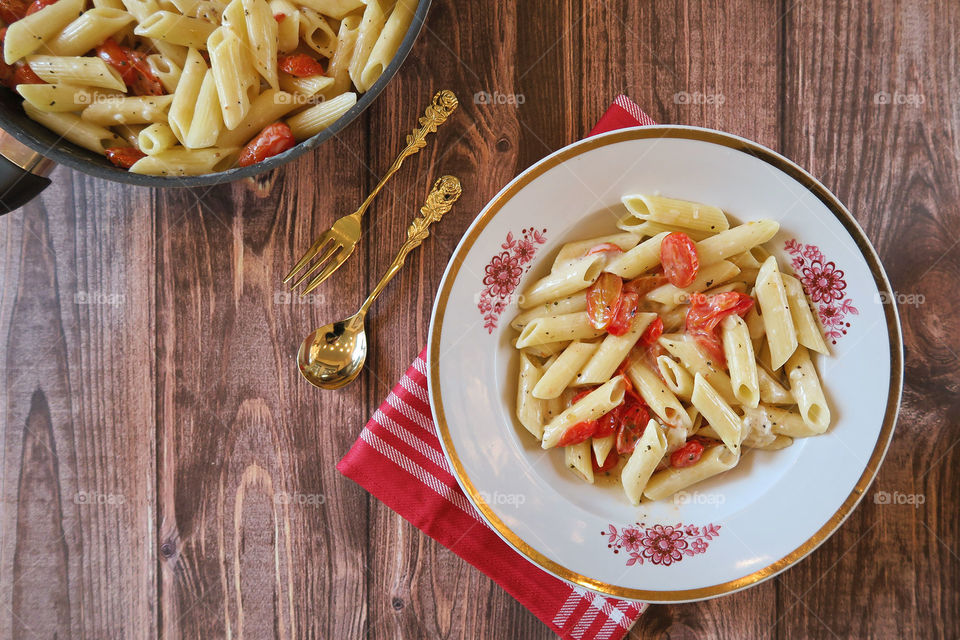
399	460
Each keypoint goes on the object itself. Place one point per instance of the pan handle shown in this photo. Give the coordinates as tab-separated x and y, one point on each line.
23	173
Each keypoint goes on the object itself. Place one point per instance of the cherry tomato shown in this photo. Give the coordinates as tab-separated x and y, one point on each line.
626	311
12	10
603	296
124	157
706	312
37	5
132	67
578	433
23	74
612	459
300	65
678	255
607	248
275	138
645	284
653	332
607	423
633	421
279	17
710	343
687	455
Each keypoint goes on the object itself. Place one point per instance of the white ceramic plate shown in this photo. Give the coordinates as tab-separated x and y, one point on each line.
729	532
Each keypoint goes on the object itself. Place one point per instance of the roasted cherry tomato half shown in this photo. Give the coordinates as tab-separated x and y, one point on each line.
603	296
687	455
300	65
633	421
612	459
124	157
626	311
275	138
678	255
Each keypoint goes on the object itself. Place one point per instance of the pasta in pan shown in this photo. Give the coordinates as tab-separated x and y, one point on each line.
661	354
215	83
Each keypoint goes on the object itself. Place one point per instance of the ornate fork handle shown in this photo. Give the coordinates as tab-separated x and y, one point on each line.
445	192
444	103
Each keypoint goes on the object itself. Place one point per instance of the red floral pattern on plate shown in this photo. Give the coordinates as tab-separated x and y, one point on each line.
660	544
502	274
824	283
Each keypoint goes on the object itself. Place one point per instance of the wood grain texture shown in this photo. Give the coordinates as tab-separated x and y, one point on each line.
165	472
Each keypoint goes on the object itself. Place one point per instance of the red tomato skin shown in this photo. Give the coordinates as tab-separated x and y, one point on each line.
607	423
706	312
678	255
603	247
132	67
124	157
652	333
710	343
279	17
37	5
603	296
23	74
643	285
12	10
612	459
578	433
633	422
626	311
275	138
687	455
300	65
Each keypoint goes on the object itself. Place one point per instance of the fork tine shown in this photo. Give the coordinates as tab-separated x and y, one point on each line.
316	265
332	266
312	251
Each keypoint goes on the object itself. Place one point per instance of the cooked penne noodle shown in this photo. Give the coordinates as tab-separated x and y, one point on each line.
715	460
566	280
339	68
806	390
141	9
30	33
87	31
602	447
128	110
86	71
677	379
63	97
207	121
315	119
288	27
564	369
569	326
548	349
388	42
267	108
658	396
591	407
684	350
374	17
641	258
643	461
529	408
808	331
771	391
167	71
316	33
262	30
176	29
735	240
786	422
181	111
612	351
305	87
717	413
156	138
336	9
577	457
180	161
741	361
679	213
78	131
568	304
237	83
775	311
649	229
575	250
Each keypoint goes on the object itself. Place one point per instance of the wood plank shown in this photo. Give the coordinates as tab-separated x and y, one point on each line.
77	487
870	95
259	533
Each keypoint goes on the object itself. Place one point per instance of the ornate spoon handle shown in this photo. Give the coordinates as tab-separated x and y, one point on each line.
445	192
444	103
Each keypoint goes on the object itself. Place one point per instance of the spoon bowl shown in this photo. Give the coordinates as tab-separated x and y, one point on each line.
333	355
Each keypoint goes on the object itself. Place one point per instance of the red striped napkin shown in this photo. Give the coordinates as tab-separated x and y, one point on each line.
398	459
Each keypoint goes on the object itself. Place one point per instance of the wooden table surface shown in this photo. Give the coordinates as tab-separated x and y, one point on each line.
151	406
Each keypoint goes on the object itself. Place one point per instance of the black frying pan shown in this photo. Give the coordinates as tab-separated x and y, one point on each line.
29	151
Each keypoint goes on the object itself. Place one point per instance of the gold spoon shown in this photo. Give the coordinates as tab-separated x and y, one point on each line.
332	356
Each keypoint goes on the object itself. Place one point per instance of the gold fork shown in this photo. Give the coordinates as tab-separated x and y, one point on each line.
340	240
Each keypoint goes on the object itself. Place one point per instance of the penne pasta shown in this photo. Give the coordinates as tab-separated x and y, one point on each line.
176	29
612	351
677	379
569	326
735	240
128	110
806	390
87	31
30	33
63	97
715	460
388	42
237	83
591	407
741	362
707	277
568	304
717	413
371	24
577	457
529	409
315	119
641	258
808	331
775	311
658	396
566	280
156	138
78	131
84	71
643	462
677	213
576	250
564	369
180	161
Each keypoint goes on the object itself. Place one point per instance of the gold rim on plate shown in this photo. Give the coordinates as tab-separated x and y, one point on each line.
814	187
